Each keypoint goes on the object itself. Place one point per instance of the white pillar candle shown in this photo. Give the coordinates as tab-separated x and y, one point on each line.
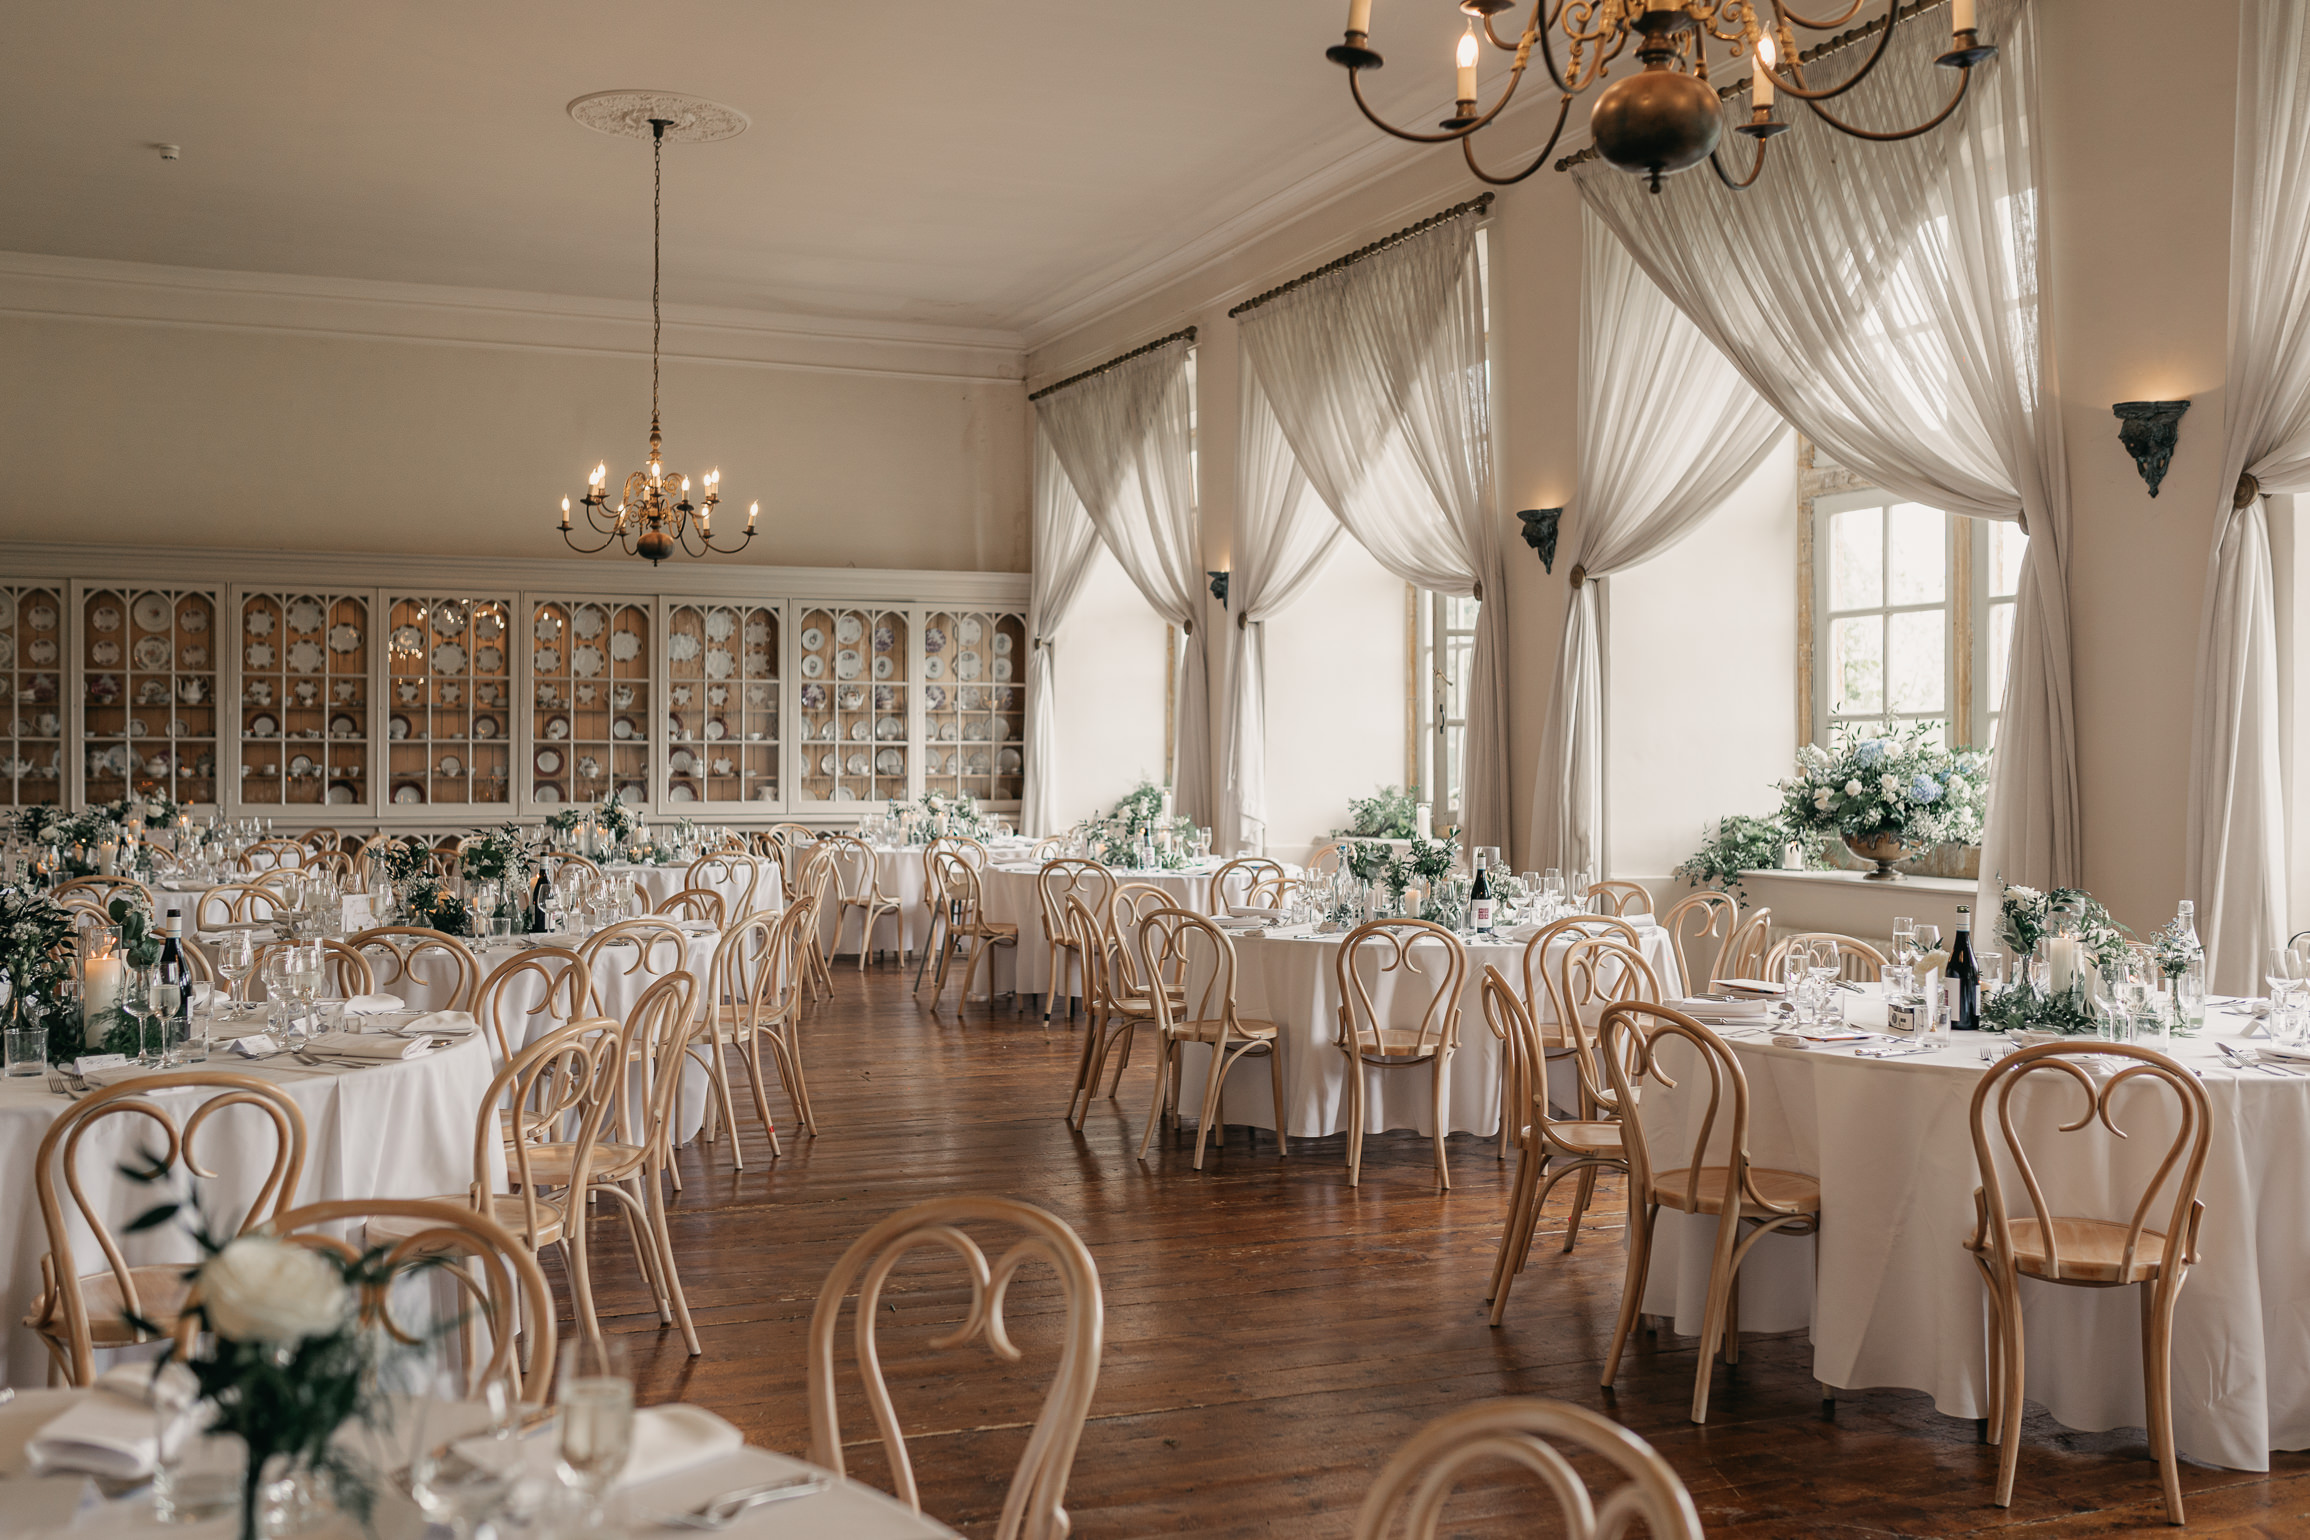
100	993
1423	820
1761	74
2061	962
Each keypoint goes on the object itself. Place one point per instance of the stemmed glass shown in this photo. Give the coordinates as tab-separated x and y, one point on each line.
1823	961
163	994
236	958
597	1419
459	1478
1902	974
136	1005
301	972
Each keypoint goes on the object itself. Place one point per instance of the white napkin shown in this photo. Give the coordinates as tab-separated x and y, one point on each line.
109	1432
2282	1051
375	1005
368	1045
668	1439
1244	912
699	927
1765	987
445	1024
1726	1006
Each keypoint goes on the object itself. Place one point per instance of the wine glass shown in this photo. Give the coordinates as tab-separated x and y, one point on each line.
597	1419
164	994
301	972
236	959
458	1476
135	1003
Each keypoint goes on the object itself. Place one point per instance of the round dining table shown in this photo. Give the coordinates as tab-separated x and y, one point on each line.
1290	976
399	1129
1891	1299
1012	897
899	875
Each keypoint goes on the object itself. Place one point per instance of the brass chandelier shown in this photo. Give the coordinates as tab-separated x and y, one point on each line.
655	516
1666	116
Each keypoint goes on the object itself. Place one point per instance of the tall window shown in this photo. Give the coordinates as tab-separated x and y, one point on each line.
1912	617
1446	649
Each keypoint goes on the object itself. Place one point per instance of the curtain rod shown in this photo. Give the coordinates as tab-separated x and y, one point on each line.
1478	203
1185	335
1869	29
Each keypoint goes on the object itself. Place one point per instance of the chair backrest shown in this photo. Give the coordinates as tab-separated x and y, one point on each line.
542	984
1326	857
235	903
1235	882
561	863
542	1090
336	863
956	881
660	946
272	854
1592	973
1087	932
1179	944
1692	922
1034	1508
345	972
1408	1497
323	840
1524	1061
2178	1170
1068	876
171	1144
1132	903
1549	941
1616	896
414	957
1857	961
695	904
752	980
1413	950
969	849
103	890
1744	954
1629	1040
857	873
497	1280
1277	890
1046	848
722	870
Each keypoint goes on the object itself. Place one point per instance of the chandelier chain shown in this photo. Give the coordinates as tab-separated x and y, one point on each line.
657	200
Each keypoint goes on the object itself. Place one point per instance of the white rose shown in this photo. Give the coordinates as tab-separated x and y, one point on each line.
1892	787
262	1290
1852	788
1821	799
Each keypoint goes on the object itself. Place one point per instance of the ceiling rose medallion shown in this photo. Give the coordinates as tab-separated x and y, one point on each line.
655	515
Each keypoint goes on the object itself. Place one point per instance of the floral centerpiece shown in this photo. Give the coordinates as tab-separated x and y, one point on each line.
1888	796
36	952
957	814
425	898
505	856
2025	917
1735	844
1137	825
2176	948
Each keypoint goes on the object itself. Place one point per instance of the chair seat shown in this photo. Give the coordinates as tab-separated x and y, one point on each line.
551	1163
160	1290
2092	1251
991	930
1211	1031
504	1207
1586	1138
1397	1045
1788	1189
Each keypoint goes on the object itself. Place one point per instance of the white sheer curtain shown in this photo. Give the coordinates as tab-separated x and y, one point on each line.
1668	428
1124	437
1884	298
1377	378
1065	547
2237	833
1283	536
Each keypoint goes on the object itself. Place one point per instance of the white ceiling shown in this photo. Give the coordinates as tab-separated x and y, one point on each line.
989	166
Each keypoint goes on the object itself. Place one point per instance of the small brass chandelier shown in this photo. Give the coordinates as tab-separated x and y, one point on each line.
1665	117
655	515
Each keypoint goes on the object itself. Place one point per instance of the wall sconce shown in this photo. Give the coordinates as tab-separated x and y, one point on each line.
1218	587
2148	429
1540	533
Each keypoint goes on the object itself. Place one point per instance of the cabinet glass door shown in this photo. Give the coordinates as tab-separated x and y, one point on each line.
974	698
590	705
149	681
449	700
32	668
304	717
722	702
853	739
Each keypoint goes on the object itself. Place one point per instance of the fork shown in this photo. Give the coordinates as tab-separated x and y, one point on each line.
719	1512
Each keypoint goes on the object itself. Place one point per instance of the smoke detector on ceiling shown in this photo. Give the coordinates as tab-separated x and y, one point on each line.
690	119
169	151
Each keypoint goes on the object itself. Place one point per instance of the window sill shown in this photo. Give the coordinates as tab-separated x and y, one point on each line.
1862	881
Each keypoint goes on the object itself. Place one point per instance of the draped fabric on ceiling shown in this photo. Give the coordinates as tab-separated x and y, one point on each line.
1668	429
1065	544
1123	436
1884	299
1377	378
1283	536
2237	834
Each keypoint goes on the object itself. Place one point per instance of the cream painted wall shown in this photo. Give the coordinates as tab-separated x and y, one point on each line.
1109	695
1335	705
1702	689
272	439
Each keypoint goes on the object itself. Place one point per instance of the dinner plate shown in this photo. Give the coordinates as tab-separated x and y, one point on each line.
884	668
548	761
557	727
934	696
856	764
305	616
192	617
849	629
812	665
263	725
883	638
301	765
488	623
258	622
1002	642
966	665
449	658
682	646
547	626
826	764
106	617
625	646
42	616
814	697
397	727
485	727
152	653
720	624
858	731
934	668
343	726
304	658
451	765
150	612
587	621
1008	761
847	663
344	638
716	730
408	792
757	632
450	691
812	639
408	639
890	762
889	729
345	690
105	654
260	654
719	663
585	661
545	791
1002	668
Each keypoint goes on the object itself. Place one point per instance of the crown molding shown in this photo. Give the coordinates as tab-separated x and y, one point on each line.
98	289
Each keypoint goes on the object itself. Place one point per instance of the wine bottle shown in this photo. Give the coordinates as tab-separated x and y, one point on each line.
533	923
1480	900
1965	974
172	970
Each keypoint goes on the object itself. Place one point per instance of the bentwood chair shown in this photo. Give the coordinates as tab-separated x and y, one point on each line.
1326	857
1559	1038
1407	1499
533	993
412	960
1061	878
1034	1508
1235	883
2088	1251
1744	954
937	933
958	882
1112	1013
815	881
274	854
76	1313
1050	847
1616	896
1630	1037
499	1284
103	890
1181	943
1857	961
695	904
858	890
754	991
235	903
732	876
794	841
1428	965
322	841
1692	922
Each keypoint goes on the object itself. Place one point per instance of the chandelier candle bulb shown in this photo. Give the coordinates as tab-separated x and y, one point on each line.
1466	58
1761	74
1359	16
1960	16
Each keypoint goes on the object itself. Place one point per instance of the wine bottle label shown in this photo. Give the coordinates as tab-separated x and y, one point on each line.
1483	908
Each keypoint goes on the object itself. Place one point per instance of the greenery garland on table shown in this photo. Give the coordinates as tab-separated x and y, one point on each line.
425	899
2024	917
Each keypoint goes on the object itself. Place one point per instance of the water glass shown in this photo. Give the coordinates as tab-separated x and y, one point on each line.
196	1474
458	1476
27	1048
597	1419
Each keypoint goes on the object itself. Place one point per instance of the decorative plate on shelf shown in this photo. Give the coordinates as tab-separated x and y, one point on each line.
258	622
723	765
858	730
106	617
548	761
263	725
587	620
1008	761
344	638
305	616
488	660
933	639
488	624
407	639
625	646
449	658
812	639
847	663
681	791
397	727
812	664
934	668
485	727
966	665
719	625
975	732
449	618
969	631
451	765
258	692
966	699
718	695
890	762
848	630
934	696
757	632
1002	668
585	661
757	695
301	765
546	660
757	661
407	792
855	764
814	697
306	692
42	616
305	658
682	646
884	668
682	762
545	791
408	690
826	764
485	695
890	729
585	694
343	726
451	692
547	695
1002	643
105	654
195	656
622	728
675	726
260	654
883	638
547	627
344	793
719	663
192	617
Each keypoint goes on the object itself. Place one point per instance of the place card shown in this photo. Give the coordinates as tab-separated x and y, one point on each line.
87	1064
256	1045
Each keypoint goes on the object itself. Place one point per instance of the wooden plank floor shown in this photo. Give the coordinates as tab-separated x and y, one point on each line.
1271	1334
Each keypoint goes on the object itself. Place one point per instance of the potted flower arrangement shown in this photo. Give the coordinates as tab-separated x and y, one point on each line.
1888	796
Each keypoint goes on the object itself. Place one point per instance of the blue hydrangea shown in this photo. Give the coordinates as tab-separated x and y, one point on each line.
1870	752
1924	789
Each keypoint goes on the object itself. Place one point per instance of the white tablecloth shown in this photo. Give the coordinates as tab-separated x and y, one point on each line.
400	1130
1900	1304
1011	897
1289	977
